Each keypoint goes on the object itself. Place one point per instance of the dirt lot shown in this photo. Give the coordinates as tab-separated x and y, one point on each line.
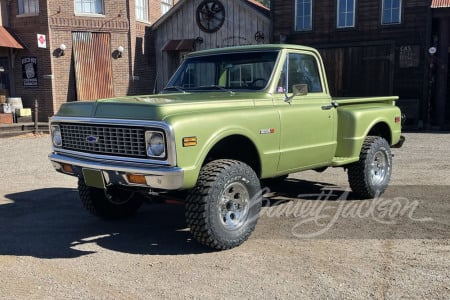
313	239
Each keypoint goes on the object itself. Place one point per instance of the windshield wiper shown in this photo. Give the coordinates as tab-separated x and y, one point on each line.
174	87
214	87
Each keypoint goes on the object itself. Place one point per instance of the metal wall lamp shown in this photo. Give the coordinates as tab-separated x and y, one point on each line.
120	50
61	50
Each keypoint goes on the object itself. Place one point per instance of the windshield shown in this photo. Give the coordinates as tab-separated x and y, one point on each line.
233	71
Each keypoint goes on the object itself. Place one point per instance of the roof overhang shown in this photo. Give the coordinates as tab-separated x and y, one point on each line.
180	45
8	40
440	3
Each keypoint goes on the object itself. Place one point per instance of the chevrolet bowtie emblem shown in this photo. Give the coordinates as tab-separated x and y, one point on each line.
92	139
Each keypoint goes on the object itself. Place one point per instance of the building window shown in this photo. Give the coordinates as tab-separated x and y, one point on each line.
166	5
28	7
89	6
142	10
345	13
303	15
391	12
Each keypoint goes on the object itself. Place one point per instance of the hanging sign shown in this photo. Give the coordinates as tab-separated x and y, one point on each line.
42	41
409	56
29	72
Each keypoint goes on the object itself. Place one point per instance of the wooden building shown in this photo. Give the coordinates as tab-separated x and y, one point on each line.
370	47
440	80
204	24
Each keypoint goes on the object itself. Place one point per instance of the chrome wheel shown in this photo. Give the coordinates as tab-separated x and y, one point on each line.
369	177
379	168
234	206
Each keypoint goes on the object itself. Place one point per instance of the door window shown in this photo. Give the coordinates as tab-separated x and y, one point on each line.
300	69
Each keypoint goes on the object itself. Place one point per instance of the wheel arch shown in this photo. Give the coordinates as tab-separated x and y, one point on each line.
381	129
237	147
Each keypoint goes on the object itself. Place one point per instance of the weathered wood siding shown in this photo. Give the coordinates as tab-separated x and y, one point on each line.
370	58
368	24
241	24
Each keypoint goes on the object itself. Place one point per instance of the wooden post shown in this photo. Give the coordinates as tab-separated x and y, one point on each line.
442	72
36	116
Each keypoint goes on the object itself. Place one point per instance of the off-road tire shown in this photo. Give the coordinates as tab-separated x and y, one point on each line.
369	177
223	208
114	203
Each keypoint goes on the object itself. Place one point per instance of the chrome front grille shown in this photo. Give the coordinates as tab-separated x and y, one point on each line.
102	139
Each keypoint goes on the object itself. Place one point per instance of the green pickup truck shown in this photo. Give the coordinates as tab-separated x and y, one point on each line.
227	119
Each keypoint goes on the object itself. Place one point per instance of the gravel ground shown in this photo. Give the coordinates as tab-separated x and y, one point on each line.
313	240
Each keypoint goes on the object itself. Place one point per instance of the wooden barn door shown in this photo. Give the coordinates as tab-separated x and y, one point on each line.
93	69
376	71
333	60
360	70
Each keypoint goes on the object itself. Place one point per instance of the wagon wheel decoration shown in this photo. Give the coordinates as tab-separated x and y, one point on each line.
259	36
210	15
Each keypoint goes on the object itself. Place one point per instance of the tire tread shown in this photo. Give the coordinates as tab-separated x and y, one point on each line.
356	171
196	206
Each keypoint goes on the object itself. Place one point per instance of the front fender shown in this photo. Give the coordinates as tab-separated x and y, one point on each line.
210	129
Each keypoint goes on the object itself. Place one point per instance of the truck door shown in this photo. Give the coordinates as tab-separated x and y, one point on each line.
307	121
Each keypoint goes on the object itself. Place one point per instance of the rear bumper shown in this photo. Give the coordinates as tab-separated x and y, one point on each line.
156	177
400	142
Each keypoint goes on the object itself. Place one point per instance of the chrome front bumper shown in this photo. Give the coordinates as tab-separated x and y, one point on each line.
156	177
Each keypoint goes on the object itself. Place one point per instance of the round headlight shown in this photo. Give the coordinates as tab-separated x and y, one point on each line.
56	136
156	145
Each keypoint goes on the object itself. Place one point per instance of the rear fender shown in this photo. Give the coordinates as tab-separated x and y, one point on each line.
354	125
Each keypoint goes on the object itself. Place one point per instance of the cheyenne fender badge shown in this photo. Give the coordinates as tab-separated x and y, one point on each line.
267	131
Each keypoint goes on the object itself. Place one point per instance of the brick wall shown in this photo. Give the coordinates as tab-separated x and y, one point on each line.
63	22
56	74
27	28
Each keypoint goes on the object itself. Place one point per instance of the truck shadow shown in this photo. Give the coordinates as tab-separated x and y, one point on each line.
276	193
325	211
51	223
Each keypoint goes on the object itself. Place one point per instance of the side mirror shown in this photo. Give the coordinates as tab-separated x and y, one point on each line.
300	89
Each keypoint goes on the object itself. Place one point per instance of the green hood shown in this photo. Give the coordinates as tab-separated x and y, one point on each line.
156	107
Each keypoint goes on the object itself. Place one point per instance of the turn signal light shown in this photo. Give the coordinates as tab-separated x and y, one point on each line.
190	141
398	119
135	178
67	168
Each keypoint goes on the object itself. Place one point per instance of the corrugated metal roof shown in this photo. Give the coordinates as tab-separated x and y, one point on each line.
440	3
7	40
258	4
